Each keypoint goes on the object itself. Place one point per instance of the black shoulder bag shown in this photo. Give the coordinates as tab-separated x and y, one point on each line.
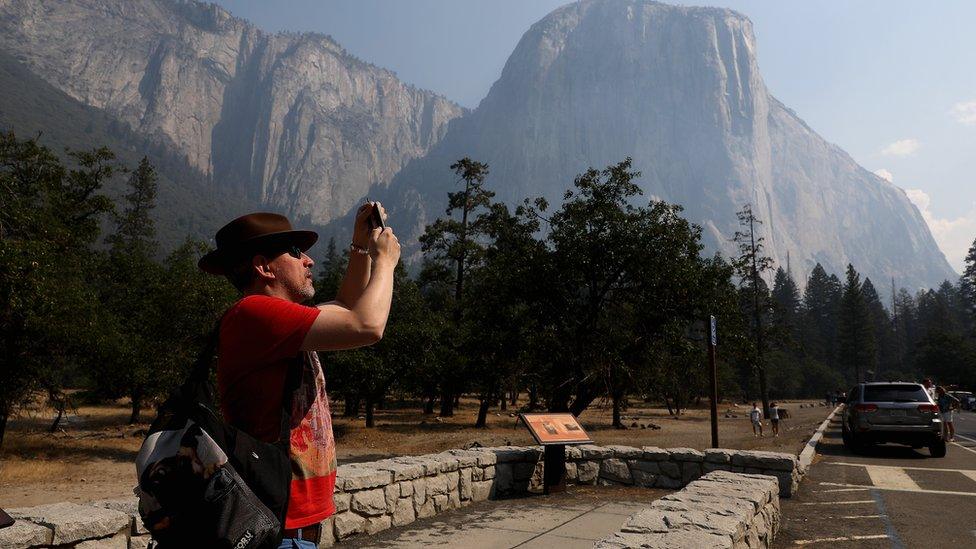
205	483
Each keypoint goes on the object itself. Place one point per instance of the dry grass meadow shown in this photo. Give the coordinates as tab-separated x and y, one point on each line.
91	457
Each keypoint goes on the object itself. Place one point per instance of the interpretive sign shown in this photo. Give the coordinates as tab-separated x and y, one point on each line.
555	429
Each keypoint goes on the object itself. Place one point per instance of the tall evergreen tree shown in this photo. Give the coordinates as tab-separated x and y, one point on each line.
855	336
750	266
456	242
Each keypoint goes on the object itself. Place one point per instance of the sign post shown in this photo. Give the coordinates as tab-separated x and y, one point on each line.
554	432
713	374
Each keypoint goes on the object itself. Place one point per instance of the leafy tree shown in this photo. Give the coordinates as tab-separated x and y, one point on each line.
49	219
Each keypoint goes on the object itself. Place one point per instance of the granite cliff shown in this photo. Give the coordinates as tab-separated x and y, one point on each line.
291	121
679	90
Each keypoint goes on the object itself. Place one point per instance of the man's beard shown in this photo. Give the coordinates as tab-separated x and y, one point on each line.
300	293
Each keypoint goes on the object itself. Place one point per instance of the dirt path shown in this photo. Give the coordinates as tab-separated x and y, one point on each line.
92	457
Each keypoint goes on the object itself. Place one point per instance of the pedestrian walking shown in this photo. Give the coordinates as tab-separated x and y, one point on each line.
947	408
755	416
774	418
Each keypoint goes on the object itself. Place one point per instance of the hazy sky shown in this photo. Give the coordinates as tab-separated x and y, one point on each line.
892	82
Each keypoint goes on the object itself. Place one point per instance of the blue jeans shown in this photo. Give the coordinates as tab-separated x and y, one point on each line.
292	543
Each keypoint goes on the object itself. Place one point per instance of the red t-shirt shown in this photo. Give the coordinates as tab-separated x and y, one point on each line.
260	337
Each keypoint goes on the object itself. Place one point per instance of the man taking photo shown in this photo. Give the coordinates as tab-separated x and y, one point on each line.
269	330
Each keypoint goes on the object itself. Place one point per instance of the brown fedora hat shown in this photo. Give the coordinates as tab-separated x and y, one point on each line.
254	232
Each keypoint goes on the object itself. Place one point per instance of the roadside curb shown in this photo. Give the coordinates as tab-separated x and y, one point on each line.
810	450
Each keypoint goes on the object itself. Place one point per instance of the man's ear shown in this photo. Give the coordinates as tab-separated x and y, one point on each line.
262	267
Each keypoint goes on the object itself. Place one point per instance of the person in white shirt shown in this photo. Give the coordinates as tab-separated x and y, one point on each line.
756	417
774	419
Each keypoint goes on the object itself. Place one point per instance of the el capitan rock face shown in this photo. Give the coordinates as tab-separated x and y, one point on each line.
293	122
679	90
288	120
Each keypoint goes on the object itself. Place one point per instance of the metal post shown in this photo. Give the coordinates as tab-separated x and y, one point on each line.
554	469
713	381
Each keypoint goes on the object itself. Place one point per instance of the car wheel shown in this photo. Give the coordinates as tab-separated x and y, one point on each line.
937	449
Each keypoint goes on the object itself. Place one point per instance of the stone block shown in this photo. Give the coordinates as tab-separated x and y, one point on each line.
71	522
441	503
670	469
643	478
357	477
377	524
328	533
419	491
481	490
477	473
454	500
427	509
341	501
406	488
404	512
690	471
438	485
465	486
592	451
489	473
571	472
348	524
448	462
664	481
23	534
764	460
653	453
708	467
391	493
686	454
142	542
399	470
616	470
625	452
573	453
523	471
128	505
509	454
645	466
119	541
370	502
588	471
468	458
718	455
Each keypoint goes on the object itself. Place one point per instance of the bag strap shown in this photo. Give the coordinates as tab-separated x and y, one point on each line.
200	376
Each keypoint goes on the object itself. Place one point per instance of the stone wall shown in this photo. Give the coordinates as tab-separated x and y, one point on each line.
377	495
721	509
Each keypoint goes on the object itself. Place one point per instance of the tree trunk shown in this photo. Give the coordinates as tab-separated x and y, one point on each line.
369	412
616	411
515	395
57	420
457	401
136	407
483	412
504	404
429	404
3	426
351	408
533	397
668	404
447	402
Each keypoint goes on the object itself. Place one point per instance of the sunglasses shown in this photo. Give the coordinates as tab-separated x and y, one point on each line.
294	251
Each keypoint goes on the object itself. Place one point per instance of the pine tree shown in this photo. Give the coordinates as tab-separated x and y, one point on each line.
855	335
750	266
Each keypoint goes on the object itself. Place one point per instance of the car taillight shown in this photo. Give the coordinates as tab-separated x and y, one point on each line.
866	407
929	408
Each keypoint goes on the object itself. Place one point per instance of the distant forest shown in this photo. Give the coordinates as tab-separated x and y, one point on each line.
603	298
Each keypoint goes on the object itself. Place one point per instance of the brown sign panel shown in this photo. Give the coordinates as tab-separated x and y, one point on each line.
555	429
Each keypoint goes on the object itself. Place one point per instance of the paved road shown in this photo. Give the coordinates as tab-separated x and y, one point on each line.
892	496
